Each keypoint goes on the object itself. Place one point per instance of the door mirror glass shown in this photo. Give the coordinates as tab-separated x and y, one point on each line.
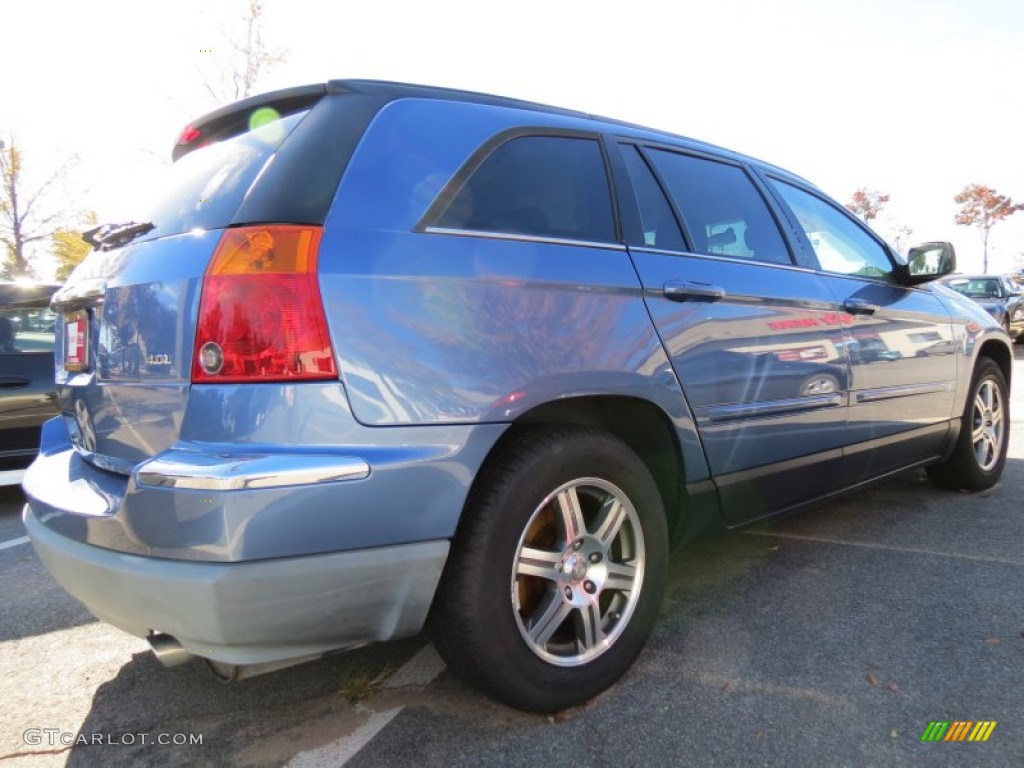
929	261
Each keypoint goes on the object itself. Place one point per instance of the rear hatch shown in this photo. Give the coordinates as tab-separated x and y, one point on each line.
127	318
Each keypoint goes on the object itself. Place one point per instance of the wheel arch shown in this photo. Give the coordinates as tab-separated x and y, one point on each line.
642	425
1002	356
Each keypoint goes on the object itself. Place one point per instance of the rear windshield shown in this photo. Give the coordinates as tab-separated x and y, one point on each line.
204	189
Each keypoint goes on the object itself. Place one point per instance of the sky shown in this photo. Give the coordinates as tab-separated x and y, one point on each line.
916	98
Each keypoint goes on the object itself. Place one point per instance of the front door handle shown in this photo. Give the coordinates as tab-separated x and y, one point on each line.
683	290
13	382
859	307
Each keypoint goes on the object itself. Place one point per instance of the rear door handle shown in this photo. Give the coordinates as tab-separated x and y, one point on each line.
859	307
13	382
683	290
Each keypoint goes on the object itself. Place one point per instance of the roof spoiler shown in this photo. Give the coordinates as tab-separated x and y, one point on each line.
233	118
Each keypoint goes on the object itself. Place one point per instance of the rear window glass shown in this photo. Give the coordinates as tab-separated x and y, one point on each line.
204	189
545	186
23	331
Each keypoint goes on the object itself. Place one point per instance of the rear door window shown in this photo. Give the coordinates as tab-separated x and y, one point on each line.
542	186
722	210
661	230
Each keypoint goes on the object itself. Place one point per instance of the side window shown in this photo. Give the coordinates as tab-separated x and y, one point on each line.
26	330
722	210
546	186
840	244
660	227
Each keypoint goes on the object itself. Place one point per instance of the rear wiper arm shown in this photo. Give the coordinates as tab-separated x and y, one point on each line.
107	236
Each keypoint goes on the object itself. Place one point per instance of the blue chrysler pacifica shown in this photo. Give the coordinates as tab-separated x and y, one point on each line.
386	352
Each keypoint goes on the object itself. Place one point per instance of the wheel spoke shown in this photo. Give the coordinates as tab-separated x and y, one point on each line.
548	618
589	631
978	433
986	394
985	451
621	576
980	404
538	562
572	516
612	518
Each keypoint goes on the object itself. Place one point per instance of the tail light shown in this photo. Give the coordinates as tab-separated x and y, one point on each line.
261	317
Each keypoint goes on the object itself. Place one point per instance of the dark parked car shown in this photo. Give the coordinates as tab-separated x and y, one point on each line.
1000	296
386	351
28	396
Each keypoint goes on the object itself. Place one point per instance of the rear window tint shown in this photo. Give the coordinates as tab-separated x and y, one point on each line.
545	186
23	331
723	212
660	227
204	189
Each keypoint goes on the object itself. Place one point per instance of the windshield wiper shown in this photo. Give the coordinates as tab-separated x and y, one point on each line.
107	236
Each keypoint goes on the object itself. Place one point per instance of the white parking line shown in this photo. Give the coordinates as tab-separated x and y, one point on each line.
337	753
14	542
886	547
418	671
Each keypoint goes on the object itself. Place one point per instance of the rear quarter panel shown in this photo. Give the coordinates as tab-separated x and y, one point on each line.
439	328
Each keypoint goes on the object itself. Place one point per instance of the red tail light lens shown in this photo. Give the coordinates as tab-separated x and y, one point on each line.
260	314
188	135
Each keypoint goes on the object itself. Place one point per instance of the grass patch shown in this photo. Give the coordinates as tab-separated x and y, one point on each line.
357	681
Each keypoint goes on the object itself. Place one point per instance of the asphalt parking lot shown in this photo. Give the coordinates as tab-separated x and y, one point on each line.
833	637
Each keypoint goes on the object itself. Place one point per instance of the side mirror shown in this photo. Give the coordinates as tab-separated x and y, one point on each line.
928	261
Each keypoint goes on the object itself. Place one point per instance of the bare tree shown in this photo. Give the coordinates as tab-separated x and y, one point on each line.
899	234
866	203
983	207
26	213
237	65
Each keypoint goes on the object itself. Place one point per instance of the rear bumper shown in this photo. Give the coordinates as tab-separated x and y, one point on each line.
251	612
215	503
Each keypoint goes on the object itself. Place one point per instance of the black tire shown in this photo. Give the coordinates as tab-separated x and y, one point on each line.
489	617
980	454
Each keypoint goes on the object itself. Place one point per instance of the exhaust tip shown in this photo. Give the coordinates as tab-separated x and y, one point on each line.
168	651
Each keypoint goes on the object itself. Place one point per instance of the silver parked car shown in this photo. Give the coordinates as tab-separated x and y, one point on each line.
999	295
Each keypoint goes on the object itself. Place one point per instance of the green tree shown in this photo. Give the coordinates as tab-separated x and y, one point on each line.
69	248
983	207
27	215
